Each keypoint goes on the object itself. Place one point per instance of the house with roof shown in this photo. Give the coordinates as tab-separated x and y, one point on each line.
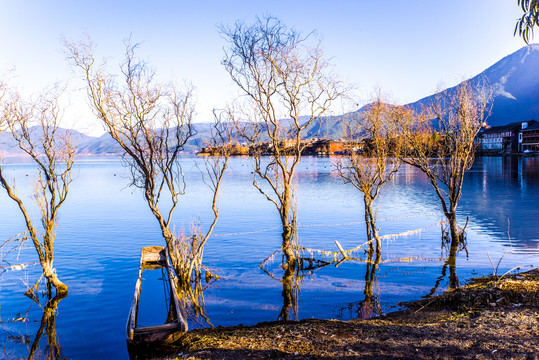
529	138
503	139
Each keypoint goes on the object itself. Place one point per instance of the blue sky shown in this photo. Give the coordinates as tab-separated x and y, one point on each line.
408	48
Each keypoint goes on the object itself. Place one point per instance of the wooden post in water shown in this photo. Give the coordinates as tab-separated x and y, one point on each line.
341	249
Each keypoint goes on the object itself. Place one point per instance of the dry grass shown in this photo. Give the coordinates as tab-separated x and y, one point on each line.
487	319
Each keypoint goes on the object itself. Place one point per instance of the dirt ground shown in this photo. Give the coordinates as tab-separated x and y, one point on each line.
489	318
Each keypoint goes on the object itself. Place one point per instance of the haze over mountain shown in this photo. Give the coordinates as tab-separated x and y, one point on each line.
514	80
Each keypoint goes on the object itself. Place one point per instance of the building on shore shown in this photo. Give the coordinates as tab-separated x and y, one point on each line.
324	147
503	139
529	138
310	147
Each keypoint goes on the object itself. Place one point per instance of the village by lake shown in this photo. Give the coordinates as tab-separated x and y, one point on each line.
104	224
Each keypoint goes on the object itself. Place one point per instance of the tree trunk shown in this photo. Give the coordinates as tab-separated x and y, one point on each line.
167	235
453	228
372	230
287	243
50	275
368	222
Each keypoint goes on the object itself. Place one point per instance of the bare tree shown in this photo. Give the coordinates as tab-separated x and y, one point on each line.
286	87
190	249
529	20
372	157
440	143
35	129
151	122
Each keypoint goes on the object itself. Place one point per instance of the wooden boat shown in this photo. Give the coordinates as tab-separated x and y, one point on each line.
155	257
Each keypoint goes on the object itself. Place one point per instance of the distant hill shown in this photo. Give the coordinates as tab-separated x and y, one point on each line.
514	79
9	146
105	144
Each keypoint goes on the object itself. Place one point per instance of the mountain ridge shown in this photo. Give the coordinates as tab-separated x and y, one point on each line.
514	82
515	87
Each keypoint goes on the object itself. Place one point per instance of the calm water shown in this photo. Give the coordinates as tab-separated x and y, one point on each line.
104	224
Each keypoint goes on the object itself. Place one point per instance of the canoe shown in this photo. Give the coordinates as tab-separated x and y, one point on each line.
155	257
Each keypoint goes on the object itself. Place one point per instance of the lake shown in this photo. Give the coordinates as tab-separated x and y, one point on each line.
104	223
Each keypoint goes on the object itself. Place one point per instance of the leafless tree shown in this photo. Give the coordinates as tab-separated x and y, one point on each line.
440	142
372	157
190	249
35	127
151	122
286	87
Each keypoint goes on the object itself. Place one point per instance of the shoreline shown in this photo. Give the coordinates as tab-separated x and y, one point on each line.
487	318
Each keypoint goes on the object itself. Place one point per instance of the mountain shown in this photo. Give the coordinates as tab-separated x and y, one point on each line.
514	80
9	146
103	145
515	84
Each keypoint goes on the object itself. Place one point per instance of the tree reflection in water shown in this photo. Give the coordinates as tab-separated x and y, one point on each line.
45	343
291	283
370	306
294	271
192	296
452	248
51	349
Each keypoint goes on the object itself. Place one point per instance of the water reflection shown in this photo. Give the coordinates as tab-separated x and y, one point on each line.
52	349
192	297
370	306
294	271
291	285
451	248
46	342
512	182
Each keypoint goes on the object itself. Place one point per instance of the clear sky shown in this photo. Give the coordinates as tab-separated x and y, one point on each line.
408	48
